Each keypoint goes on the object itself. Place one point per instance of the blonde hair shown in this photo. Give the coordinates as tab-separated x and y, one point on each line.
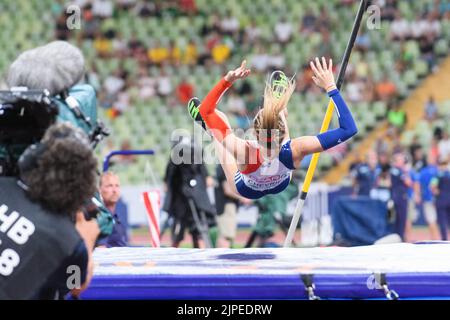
268	118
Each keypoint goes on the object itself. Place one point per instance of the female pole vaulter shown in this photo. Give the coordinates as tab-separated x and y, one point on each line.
255	168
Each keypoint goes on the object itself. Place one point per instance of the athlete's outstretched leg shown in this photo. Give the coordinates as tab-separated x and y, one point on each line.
226	159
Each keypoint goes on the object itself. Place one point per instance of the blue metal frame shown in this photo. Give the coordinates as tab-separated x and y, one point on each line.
125	153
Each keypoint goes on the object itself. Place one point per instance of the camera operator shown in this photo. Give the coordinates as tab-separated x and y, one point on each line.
47	82
186	184
45	240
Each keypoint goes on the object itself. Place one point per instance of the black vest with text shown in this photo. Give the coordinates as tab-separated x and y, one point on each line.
33	242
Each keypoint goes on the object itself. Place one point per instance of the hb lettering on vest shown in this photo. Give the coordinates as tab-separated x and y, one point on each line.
18	229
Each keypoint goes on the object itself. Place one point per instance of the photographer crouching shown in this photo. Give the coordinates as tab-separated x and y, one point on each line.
45	240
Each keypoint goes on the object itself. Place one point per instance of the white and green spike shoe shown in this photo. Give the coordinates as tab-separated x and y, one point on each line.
279	83
194	111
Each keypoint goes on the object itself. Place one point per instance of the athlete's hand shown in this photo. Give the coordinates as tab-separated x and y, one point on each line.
239	73
323	74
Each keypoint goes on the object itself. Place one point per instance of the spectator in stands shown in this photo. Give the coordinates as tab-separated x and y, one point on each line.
259	61
442	7
211	25
91	25
276	60
236	106
174	57
361	68
253	32
114	83
185	91
433	152
388	9
102	8
146	85
125	4
147	9
381	147
396	119
122	102
400	28
283	31
362	42
103	45
414	145
323	20
126	159
252	105
119	46
354	88
134	44
188	7
158	54
92	77
426	45
385	89
229	25
163	84
396	145
190	53
246	88
304	80
419	26
325	46
220	52
433	26
444	146
308	22
431	110
61	32
346	2
212	39
110	192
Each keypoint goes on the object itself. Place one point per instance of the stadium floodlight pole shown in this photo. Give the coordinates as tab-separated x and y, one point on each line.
325	125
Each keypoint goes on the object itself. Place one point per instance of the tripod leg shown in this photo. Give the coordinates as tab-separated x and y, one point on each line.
251	239
199	224
205	225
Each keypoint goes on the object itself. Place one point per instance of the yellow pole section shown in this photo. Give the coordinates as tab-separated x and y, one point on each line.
315	157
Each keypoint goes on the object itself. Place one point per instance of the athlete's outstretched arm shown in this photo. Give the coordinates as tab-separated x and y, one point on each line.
323	77
215	122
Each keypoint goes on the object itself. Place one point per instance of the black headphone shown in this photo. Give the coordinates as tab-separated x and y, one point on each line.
29	159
